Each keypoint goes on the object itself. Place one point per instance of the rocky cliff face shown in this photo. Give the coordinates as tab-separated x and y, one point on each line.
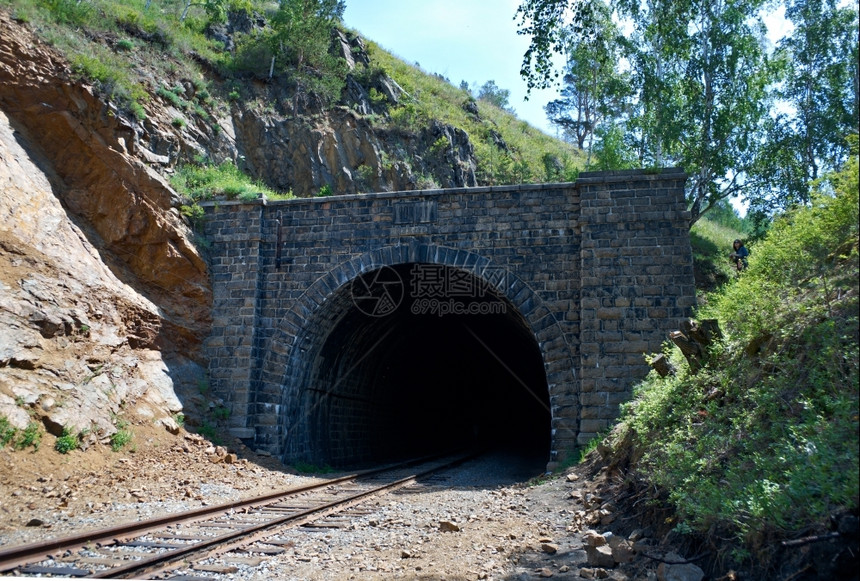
306	149
103	297
343	151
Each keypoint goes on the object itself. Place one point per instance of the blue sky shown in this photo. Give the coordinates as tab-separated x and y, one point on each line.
463	40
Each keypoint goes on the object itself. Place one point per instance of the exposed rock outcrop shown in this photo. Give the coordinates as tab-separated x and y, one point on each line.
103	296
88	151
345	152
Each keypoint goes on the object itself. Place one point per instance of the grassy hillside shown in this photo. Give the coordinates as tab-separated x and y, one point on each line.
131	50
530	155
711	243
761	445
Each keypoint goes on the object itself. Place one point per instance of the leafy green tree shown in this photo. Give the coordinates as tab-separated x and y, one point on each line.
494	95
215	9
703	86
611	151
594	88
300	41
701	77
822	81
820	71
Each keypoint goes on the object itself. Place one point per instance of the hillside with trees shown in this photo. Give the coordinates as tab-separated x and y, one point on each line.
742	444
282	97
746	450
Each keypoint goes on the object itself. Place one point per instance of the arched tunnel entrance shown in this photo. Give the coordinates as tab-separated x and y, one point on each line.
420	358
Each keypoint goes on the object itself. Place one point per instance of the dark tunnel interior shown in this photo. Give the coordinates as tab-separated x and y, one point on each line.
395	378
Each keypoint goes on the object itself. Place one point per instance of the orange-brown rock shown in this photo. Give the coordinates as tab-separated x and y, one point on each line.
127	210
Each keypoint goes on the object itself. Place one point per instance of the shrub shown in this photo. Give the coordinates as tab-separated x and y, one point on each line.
439	147
205	181
122	437
71	11
762	442
137	110
209	432
7	432
66	443
31	436
111	78
172	97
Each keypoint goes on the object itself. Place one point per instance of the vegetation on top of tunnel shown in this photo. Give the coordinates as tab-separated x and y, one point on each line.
206	181
761	445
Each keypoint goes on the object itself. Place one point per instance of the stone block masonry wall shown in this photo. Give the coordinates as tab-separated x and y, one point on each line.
637	283
599	272
235	229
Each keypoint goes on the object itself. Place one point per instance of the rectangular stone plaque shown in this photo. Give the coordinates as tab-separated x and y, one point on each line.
415	212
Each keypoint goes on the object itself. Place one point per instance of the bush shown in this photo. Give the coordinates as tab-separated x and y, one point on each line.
172	97
209	432
122	437
7	432
762	442
204	181
71	11
66	443
31	436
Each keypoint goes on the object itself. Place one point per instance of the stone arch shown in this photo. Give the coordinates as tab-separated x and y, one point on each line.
301	334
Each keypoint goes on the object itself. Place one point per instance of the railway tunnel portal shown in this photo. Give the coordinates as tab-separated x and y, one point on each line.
362	328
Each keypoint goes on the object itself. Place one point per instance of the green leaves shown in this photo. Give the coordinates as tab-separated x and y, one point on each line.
595	90
708	93
762	443
299	44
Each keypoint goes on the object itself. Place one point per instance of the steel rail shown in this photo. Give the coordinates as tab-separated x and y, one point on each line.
147	564
17	556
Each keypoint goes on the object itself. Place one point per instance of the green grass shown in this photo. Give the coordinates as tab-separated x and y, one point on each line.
31	436
20	439
122	437
209	432
711	244
308	468
221	413
155	36
7	432
121	36
762	443
205	182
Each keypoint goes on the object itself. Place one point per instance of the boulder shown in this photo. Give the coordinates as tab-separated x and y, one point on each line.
675	569
600	556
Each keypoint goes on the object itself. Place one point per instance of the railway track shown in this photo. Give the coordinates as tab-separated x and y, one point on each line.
157	548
